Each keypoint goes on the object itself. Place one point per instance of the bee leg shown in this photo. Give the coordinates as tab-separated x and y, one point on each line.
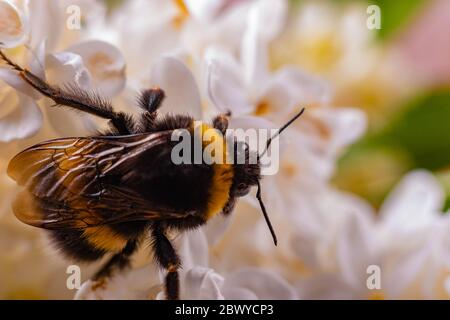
167	257
220	122
77	98
150	100
117	262
229	206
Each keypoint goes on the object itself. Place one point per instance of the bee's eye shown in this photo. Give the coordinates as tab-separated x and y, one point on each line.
242	189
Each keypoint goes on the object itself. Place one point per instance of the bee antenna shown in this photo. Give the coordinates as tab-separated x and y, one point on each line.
263	208
287	124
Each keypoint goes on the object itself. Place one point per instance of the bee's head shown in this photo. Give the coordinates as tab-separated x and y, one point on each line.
247	171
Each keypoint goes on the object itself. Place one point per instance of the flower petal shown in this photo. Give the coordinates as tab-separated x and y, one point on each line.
414	202
202	283
47	22
325	286
301	87
105	64
265	20
329	130
264	284
23	121
37	66
14	26
13	79
216	228
301	246
447	285
254	56
204	10
224	84
136	284
254	123
249	122
401	269
193	249
355	250
177	81
239	294
68	68
271	17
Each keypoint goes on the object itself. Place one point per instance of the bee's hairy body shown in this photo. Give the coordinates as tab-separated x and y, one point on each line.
102	194
200	189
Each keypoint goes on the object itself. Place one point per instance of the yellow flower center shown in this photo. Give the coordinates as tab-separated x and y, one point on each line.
321	53
262	108
182	15
319	126
377	295
289	169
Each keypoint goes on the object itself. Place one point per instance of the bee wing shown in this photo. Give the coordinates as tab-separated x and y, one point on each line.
66	182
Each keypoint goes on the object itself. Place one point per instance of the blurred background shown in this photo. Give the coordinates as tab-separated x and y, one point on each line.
398	75
404	90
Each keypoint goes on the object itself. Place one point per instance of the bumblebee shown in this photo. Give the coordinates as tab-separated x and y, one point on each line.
101	195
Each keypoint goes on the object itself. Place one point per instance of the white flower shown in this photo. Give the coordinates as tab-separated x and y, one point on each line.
333	41
210	57
409	243
260	98
415	237
90	64
199	281
247	87
14	26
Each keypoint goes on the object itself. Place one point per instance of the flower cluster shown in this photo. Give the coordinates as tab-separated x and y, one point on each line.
212	57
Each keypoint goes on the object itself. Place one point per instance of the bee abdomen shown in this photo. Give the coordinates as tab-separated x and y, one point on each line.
75	246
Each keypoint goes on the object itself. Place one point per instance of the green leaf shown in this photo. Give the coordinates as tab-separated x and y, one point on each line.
423	131
395	14
418	137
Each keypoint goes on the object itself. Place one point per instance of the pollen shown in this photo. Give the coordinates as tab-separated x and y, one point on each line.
319	126
376	295
182	14
322	53
262	108
290	169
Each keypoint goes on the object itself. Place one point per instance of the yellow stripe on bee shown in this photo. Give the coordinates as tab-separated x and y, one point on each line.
222	171
104	238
